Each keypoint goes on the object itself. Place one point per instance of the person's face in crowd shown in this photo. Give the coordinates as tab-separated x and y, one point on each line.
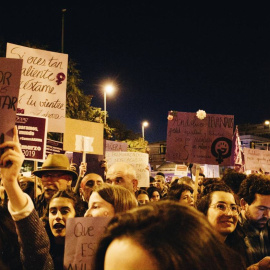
54	181
92	181
143	198
159	182
258	213
153	184
187	198
98	207
223	212
60	209
118	256
116	175
155	196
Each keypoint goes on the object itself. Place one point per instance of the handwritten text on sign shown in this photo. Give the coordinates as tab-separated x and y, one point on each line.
138	160
10	74
206	141
257	160
82	237
43	84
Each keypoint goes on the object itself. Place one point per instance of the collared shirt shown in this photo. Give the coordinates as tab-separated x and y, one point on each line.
256	241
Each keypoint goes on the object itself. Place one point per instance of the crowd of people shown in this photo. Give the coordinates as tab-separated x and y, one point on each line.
155	228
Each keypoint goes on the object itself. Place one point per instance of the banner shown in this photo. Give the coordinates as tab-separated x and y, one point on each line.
82	237
138	160
32	135
43	84
257	160
10	74
203	141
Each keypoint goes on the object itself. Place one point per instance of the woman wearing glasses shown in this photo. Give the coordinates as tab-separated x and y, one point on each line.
217	202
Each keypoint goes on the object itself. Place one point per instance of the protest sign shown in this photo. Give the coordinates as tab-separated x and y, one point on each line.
10	74
32	135
43	84
116	146
203	141
181	170
54	147
82	237
83	136
257	160
94	163
138	160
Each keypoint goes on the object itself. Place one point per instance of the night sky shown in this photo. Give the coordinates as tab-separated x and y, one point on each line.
161	55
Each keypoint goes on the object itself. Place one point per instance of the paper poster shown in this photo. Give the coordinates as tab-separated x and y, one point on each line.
10	74
82	237
181	170
84	143
83	136
257	160
32	135
206	141
138	160
43	84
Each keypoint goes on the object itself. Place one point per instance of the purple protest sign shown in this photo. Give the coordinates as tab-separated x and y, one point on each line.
10	75
32	135
54	147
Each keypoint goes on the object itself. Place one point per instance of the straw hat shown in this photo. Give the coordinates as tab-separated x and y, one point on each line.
56	162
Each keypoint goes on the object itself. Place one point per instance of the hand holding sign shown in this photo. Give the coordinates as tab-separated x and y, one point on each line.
12	158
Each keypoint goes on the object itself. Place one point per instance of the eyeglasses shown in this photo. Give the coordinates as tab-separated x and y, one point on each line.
225	208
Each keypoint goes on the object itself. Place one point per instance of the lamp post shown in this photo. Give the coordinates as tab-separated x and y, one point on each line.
63	25
144	124
107	89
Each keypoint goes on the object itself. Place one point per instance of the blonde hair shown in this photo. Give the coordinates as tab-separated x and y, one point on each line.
119	197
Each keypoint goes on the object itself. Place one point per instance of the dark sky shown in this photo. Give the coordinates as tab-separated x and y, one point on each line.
162	55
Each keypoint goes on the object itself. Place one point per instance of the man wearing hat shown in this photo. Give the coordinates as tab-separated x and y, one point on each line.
55	175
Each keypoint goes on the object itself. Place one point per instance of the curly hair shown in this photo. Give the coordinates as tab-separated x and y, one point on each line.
233	179
176	191
205	199
254	183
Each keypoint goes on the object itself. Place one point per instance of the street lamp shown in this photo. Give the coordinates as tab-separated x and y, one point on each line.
107	89
63	26
144	124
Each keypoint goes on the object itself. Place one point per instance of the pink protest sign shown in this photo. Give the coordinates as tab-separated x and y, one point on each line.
203	141
10	75
82	238
32	135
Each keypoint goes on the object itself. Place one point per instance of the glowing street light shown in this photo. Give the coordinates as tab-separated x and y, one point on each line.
63	26
107	89
144	124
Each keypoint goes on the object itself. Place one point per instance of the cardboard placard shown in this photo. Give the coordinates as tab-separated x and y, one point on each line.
32	135
257	160
10	74
83	136
138	160
43	84
82	237
116	146
206	141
